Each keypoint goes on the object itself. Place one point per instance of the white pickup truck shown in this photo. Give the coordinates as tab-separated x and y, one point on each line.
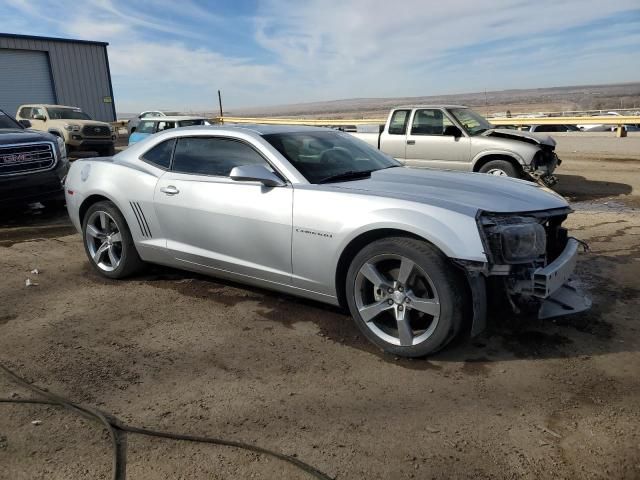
453	137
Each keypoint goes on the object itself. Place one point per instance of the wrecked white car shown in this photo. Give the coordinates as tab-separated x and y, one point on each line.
452	137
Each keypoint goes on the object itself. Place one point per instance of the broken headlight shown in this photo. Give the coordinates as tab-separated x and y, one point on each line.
522	243
515	239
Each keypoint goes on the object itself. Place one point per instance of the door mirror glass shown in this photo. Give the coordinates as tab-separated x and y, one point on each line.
256	173
452	131
39	116
25	123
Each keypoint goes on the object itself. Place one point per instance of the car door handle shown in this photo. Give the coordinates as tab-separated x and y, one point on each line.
411	142
170	190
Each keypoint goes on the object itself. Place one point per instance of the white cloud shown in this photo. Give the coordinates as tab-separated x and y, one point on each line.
165	55
378	47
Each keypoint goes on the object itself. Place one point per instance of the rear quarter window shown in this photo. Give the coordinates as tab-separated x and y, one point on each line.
160	155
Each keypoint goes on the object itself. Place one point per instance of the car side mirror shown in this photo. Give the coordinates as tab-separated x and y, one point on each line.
256	173
452	131
25	123
39	117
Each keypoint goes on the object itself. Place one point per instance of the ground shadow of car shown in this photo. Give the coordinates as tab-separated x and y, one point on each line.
506	338
577	188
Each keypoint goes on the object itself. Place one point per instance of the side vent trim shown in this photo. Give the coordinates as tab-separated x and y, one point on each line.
142	220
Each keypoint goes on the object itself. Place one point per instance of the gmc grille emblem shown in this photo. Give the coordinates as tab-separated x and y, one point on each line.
14	158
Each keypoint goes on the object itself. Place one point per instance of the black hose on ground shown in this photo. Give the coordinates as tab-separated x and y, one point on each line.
117	430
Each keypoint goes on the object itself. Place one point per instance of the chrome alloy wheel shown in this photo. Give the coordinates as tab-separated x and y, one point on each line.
397	300
497	171
104	241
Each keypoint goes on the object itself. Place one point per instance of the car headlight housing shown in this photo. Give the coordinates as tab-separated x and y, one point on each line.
62	147
516	240
523	243
72	127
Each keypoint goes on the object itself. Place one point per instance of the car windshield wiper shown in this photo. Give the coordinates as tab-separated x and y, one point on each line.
348	175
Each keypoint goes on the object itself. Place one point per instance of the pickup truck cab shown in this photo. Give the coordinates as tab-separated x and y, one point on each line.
454	137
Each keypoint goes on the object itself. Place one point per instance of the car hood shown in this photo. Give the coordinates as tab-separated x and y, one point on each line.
459	191
533	138
18	135
84	122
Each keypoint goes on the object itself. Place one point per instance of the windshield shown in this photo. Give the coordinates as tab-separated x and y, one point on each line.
472	122
7	122
320	156
67	114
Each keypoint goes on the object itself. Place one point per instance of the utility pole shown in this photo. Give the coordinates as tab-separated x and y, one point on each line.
220	104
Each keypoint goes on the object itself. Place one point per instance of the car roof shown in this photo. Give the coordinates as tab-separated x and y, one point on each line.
48	105
173	118
430	106
253	129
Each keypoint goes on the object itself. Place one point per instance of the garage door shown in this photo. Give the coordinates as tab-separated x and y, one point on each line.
25	77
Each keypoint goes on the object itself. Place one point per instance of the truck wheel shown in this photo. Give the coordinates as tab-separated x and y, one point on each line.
108	242
405	296
500	168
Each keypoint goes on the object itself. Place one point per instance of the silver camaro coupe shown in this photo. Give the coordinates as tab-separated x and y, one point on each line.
414	254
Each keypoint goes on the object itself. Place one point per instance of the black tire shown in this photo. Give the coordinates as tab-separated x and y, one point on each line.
130	261
448	282
505	166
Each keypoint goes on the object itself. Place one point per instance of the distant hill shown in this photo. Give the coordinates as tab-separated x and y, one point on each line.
555	99
585	97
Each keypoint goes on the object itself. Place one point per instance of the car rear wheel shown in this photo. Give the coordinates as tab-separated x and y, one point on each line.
405	296
108	242
500	168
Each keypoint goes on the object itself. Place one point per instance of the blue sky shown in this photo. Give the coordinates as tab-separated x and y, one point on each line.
176	54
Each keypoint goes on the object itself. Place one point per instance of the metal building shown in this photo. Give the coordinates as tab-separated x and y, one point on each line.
56	71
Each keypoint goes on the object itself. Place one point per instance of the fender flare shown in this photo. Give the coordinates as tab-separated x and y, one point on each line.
56	132
504	153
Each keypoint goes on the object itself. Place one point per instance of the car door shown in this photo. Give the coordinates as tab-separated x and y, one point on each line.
213	222
393	141
431	144
37	116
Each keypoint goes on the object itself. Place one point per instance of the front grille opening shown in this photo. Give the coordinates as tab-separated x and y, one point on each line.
31	157
96	131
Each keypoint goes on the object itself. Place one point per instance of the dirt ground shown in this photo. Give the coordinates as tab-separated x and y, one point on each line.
175	351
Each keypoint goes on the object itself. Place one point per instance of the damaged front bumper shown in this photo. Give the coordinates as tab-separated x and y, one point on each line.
542	168
552	290
553	284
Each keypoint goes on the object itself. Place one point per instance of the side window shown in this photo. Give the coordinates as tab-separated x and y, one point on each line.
160	155
166	125
145	127
398	123
25	112
37	111
430	122
213	156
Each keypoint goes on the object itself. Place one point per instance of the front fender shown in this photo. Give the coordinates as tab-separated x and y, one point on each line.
455	234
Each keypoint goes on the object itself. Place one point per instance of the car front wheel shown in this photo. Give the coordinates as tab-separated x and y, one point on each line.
405	296
108	242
